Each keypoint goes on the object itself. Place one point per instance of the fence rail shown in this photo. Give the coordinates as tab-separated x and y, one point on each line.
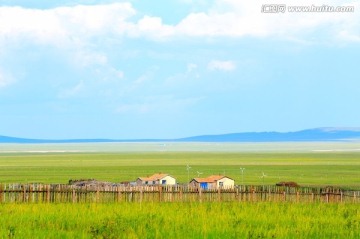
35	193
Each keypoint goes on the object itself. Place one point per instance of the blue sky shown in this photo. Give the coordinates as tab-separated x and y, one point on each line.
169	69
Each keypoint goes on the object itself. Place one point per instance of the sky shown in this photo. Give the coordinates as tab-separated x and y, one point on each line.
169	69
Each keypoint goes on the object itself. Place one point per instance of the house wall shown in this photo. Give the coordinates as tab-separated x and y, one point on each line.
212	185
226	182
193	183
141	182
169	180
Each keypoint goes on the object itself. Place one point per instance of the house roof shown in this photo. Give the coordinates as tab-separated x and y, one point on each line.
154	177
210	179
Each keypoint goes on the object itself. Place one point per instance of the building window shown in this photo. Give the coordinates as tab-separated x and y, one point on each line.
154	182
146	182
221	184
163	182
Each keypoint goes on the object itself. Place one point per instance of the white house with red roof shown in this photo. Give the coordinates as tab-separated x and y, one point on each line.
213	181
156	179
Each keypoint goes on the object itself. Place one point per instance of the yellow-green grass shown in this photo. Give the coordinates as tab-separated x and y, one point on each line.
183	220
180	220
305	168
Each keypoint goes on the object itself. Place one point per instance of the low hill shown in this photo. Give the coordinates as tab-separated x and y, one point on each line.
318	134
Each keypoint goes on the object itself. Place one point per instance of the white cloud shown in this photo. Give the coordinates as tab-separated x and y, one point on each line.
63	25
95	19
40	26
74	30
232	18
152	27
221	65
226	18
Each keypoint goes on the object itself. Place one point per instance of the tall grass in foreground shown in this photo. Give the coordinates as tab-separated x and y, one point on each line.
180	220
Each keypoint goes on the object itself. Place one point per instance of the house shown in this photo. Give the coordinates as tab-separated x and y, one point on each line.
156	179
213	181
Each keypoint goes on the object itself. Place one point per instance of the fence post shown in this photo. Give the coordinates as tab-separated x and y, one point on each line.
341	196
312	197
200	194
219	194
181	193
118	194
73	195
97	194
171	189
31	193
48	193
297	196
237	193
141	194
327	197
160	192
24	193
268	193
354	197
1	192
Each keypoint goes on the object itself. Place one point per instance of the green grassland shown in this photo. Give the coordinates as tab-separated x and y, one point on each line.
180	220
279	162
314	164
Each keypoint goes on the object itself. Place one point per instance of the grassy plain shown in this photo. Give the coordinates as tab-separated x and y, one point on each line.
305	163
180	220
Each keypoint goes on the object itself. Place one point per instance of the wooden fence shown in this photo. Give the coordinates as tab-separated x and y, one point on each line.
36	193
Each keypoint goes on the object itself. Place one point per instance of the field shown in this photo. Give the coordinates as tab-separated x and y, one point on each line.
180	220
315	164
307	164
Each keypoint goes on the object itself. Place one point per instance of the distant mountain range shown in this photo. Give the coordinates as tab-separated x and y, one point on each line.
318	134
